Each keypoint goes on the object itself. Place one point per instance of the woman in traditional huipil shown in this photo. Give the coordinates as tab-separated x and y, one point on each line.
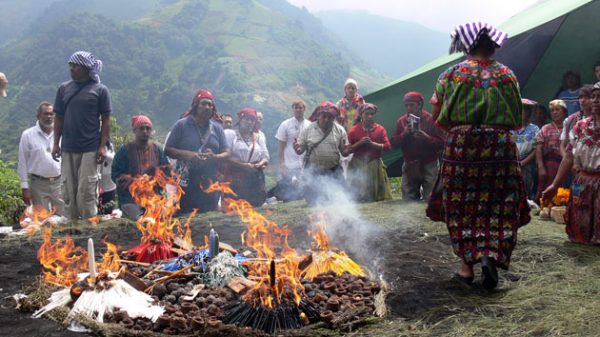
548	155
367	177
583	153
483	194
526	139
248	160
349	105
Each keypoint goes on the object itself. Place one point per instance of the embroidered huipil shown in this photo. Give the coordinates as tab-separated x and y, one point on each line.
478	92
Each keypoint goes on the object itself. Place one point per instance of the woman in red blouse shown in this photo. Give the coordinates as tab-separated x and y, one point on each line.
366	172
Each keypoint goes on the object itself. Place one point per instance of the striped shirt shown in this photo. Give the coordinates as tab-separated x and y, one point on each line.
479	92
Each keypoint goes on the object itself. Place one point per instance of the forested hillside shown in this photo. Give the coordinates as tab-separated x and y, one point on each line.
249	52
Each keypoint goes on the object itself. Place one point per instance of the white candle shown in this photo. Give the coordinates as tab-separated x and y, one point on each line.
91	260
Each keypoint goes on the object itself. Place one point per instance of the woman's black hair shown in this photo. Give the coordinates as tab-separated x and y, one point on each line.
484	46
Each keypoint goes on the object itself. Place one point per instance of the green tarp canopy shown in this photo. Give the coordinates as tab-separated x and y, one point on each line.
544	42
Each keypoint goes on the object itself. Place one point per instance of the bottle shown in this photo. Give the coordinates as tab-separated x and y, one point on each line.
213	243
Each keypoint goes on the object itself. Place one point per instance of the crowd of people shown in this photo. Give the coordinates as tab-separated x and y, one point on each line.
476	158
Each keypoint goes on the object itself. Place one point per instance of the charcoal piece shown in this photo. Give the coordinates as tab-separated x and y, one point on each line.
327	316
163	321
340	291
320	297
178	293
127	323
197	323
214	323
170	308
329	286
144	324
120	315
355	286
179	323
170	331
172	286
187	307
213	310
170	298
210	299
333	305
201	301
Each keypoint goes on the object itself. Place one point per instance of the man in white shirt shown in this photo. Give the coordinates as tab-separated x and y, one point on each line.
290	163
39	173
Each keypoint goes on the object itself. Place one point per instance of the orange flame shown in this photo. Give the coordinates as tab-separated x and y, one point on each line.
324	257
62	261
264	237
157	223
218	186
33	218
111	262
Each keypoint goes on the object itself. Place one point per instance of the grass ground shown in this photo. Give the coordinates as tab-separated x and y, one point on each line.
551	289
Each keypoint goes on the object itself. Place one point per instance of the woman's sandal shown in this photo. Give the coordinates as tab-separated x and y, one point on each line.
490	273
468	281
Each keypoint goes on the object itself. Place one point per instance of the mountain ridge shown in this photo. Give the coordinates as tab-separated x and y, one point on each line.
249	54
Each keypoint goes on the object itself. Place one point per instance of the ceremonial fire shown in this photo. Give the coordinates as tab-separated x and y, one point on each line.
270	287
159	195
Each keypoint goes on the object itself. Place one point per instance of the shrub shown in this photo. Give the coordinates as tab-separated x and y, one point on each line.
11	204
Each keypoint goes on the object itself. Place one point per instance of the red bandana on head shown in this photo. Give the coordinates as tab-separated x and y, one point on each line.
139	120
247	112
414	96
324	107
203	94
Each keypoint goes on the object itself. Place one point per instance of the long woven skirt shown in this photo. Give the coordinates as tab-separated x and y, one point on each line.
482	196
583	209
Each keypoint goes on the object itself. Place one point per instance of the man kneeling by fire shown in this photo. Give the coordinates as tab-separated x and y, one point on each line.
142	156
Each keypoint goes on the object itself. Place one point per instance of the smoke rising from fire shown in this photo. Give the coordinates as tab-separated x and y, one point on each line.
345	225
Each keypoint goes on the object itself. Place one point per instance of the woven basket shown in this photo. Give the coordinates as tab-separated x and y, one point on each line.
557	213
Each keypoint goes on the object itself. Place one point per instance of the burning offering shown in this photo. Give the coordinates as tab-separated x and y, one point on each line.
269	288
159	195
325	258
94	294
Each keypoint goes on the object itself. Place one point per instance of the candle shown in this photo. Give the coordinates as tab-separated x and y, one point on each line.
91	260
213	243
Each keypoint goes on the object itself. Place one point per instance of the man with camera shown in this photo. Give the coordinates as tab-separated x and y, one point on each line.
421	142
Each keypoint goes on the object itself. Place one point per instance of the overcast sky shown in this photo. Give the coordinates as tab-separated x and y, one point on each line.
441	15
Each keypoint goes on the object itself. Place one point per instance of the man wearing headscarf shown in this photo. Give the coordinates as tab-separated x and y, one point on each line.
421	142
198	143
324	142
139	157
81	132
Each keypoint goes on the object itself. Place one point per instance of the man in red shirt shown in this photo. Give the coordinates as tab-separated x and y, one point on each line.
421	142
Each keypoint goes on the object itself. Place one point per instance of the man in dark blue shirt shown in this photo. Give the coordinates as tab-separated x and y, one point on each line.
198	143
83	108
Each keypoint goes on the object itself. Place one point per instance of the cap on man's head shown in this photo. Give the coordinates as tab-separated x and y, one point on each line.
414	96
529	102
351	81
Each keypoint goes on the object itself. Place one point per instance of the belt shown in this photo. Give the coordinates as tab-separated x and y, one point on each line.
45	178
484	127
